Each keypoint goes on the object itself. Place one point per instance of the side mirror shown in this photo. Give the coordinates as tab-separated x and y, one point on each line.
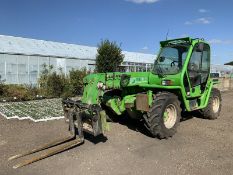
200	47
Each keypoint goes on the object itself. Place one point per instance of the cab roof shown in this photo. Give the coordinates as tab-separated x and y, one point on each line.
186	40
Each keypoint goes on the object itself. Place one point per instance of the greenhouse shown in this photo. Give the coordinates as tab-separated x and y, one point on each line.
22	59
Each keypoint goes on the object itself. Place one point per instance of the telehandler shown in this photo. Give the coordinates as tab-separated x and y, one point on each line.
179	81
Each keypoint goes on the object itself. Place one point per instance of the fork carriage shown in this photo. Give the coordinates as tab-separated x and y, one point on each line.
86	118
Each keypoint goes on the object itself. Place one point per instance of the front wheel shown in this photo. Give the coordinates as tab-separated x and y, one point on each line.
164	115
213	109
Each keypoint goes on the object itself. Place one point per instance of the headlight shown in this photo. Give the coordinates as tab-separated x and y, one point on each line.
167	82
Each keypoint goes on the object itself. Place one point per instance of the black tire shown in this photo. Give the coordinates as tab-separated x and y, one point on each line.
208	112
154	118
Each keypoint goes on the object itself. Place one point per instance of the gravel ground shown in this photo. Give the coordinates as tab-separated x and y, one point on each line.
200	147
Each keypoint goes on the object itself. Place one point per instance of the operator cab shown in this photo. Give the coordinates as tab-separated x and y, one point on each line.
190	58
171	59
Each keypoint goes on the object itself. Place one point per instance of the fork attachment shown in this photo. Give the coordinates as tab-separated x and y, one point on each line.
81	118
50	152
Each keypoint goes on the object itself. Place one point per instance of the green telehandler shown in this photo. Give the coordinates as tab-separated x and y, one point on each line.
179	81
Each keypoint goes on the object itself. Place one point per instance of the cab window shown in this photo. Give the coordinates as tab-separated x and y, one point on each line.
199	64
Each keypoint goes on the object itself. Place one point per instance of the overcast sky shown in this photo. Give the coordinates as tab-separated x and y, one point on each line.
138	25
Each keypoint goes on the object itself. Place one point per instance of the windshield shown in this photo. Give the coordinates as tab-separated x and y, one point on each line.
170	59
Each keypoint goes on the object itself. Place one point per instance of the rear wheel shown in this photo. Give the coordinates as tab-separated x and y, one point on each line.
213	109
164	115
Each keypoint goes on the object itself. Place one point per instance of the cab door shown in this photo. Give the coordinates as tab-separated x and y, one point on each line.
198	71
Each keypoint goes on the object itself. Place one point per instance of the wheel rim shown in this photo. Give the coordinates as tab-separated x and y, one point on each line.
216	104
170	116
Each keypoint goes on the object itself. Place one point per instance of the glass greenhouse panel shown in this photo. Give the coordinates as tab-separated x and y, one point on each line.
23	69
43	61
11	64
22	64
33	64
33	79
72	64
2	66
83	63
61	64
11	69
33	69
23	79
53	62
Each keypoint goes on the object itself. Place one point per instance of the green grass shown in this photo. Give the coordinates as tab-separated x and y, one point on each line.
37	110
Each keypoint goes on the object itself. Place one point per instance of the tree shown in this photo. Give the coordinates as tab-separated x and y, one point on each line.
109	57
52	83
55	84
76	80
45	72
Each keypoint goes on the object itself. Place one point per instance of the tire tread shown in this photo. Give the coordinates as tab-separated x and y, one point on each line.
153	120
